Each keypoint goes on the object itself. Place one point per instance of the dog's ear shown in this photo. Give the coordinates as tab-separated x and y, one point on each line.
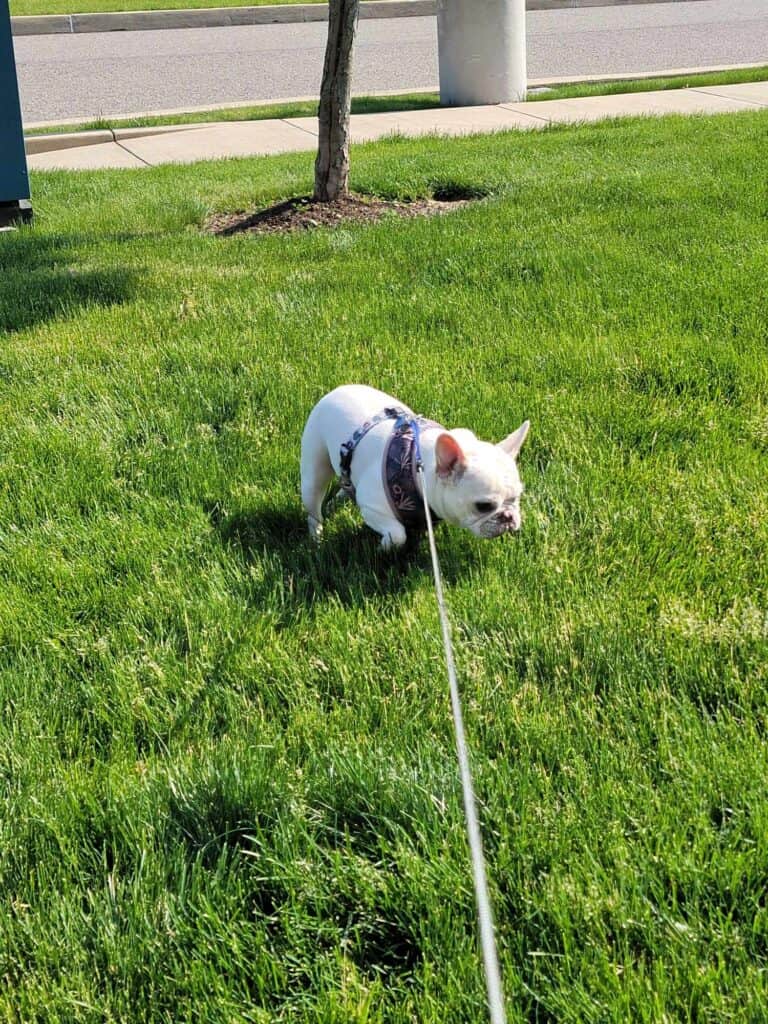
513	442
450	457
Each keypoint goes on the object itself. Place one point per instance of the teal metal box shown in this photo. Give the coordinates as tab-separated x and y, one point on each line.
14	180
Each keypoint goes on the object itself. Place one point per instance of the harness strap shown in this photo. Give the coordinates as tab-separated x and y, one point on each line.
402	457
348	448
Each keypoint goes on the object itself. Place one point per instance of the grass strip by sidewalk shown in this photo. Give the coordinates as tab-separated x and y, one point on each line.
257	112
734	76
228	787
32	7
412	101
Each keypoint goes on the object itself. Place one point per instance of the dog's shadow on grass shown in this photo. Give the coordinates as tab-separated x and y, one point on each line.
348	566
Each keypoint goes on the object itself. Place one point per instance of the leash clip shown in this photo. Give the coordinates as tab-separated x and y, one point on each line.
414	425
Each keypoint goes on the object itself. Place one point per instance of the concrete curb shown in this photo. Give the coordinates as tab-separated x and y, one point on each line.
51	143
218	17
210	17
73	140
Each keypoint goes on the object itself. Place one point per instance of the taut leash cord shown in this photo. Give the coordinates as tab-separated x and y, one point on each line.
482	898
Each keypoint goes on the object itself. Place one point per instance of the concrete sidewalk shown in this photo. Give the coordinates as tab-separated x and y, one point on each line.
147	147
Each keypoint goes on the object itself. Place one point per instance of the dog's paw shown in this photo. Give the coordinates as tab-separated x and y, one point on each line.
393	539
315	529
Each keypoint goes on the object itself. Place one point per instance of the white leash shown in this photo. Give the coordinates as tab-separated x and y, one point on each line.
482	899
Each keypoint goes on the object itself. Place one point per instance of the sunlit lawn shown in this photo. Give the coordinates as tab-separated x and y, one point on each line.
228	776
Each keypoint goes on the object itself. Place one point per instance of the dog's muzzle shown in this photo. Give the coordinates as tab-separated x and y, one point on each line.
508	520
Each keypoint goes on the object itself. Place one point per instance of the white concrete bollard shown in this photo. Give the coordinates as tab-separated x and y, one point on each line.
481	51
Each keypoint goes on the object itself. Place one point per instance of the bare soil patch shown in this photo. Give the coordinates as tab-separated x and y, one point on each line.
304	214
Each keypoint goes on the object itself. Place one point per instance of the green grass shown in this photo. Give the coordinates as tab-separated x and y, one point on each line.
228	777
19	7
734	76
411	101
257	112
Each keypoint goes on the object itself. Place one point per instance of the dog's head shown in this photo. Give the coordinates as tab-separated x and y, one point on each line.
478	482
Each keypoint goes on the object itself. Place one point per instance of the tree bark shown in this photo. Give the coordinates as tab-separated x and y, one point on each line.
332	163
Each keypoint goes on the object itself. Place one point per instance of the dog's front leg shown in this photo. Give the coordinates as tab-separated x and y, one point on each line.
376	511
392	532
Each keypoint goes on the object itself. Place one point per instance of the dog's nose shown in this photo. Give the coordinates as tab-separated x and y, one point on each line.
510	516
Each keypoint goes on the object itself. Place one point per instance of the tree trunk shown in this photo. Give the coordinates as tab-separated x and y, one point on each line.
332	164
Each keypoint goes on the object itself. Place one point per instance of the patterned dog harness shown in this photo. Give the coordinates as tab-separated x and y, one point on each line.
398	468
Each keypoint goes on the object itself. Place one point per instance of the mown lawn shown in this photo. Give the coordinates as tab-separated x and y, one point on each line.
23	7
228	777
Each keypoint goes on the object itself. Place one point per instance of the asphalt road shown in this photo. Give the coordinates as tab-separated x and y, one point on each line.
90	75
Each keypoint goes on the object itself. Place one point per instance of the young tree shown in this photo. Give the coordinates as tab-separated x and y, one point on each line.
332	163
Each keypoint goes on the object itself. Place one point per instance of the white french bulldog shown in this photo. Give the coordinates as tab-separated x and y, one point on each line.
469	483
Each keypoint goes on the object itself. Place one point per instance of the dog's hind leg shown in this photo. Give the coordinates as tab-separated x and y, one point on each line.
316	474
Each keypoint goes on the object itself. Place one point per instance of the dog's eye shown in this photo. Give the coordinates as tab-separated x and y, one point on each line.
484	507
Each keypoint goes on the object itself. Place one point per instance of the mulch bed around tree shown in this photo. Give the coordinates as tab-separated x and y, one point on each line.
304	214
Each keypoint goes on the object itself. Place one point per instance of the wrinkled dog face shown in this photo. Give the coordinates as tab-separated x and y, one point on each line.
481	487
